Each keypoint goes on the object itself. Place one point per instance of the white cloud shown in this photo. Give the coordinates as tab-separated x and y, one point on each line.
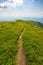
19	13
11	3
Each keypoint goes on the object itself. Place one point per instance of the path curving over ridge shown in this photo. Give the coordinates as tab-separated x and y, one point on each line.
21	56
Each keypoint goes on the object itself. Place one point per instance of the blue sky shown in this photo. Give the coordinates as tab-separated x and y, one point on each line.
21	8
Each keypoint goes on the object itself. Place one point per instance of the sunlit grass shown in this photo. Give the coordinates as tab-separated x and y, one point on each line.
32	42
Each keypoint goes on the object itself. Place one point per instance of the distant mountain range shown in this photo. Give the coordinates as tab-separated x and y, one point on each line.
22	18
35	19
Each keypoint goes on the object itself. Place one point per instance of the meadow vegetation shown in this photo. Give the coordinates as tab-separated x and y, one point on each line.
9	33
32	42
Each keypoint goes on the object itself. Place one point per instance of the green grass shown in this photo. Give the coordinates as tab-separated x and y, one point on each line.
32	42
9	33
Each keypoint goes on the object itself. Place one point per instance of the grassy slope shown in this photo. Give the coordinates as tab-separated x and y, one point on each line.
9	33
32	42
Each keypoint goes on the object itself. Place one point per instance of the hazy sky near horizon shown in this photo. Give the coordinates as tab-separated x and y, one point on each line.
21	8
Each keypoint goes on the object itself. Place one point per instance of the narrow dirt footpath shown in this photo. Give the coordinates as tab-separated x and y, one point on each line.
21	56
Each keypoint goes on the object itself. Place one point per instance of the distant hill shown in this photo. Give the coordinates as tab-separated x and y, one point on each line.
22	18
32	18
31	22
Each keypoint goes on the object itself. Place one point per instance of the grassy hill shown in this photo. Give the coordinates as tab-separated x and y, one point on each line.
32	42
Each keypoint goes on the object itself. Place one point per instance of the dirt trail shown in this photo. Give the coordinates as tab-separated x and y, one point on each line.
21	56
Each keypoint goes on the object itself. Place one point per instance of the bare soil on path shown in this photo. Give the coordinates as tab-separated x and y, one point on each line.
21	55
